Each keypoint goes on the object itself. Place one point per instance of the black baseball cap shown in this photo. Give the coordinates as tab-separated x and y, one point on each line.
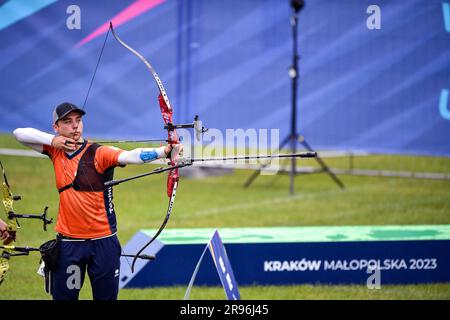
64	109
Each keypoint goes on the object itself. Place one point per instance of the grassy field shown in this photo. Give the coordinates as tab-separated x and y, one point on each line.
222	202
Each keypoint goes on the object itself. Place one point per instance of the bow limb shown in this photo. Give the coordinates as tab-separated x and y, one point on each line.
161	228
165	107
4	267
11	216
12	224
8	200
147	64
166	112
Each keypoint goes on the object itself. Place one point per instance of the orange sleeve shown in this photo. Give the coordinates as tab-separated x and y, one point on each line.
106	157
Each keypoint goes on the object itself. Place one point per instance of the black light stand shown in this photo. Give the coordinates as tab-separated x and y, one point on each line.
294	137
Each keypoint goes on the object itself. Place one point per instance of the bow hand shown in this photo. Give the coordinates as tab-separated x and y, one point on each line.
173	152
5	236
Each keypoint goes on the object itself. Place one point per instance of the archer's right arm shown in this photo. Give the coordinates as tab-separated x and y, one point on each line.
33	138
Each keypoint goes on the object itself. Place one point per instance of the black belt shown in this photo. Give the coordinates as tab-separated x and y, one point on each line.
63	237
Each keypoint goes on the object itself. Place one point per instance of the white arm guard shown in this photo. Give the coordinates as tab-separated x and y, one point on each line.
141	155
33	138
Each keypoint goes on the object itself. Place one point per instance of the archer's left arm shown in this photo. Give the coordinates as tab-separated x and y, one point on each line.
142	155
145	155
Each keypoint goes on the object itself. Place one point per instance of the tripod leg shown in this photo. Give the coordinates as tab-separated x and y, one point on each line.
322	164
277	176
256	173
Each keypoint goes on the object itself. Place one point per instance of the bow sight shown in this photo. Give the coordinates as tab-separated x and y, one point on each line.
196	125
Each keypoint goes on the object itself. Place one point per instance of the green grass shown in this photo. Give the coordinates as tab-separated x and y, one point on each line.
305	292
222	202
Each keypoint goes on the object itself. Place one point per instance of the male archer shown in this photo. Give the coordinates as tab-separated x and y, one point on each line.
86	222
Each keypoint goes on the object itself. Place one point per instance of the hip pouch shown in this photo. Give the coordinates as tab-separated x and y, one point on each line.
50	254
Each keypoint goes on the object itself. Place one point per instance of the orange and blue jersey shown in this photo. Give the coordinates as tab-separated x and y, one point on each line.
87	213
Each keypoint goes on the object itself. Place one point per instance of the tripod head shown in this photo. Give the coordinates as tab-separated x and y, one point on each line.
297	5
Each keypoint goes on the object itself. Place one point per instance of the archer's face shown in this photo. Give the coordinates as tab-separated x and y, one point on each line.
70	126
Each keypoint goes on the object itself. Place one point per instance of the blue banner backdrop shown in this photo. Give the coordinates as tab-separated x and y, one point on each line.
374	75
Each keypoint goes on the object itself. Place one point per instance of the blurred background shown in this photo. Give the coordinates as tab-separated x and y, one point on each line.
373	98
378	90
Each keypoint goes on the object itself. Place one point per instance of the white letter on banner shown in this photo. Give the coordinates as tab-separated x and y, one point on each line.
446	13
443	102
